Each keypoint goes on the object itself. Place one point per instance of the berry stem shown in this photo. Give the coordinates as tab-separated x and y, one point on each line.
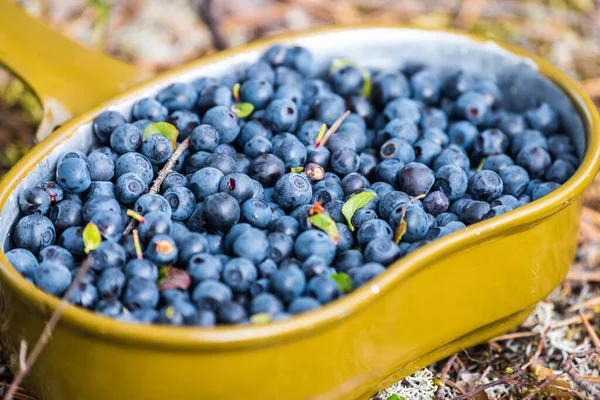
332	129
137	245
46	334
162	175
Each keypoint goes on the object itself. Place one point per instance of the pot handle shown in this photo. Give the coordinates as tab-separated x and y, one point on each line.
67	78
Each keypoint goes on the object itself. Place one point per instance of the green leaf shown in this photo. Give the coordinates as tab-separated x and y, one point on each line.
367	86
354	204
242	110
261	319
327	225
339	63
395	397
400	231
162	128
297	169
321	134
162	273
343	281
91	237
236	92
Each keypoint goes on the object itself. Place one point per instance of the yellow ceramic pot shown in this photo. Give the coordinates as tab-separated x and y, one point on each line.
451	294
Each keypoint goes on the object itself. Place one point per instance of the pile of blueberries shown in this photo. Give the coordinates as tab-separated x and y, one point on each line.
228	237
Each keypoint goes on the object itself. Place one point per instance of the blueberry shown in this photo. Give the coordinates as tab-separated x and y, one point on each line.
251	244
498	162
224	121
256	91
371	230
109	307
237	185
210	294
238	274
172	180
286	225
152	203
287	76
202	83
181	201
399	129
389	86
73	175
387	171
390	202
221	211
52	278
34	200
559	145
425	86
242	163
155	222
110	283
348	260
257	146
204	266
281	115
109	224
136	163
34	232
149	109
145	315
515	180
452	155
381	250
463	134
157	148
535	160
130	187
303	304
105	123
266	303
472	106
287	283
140	293
323	288
23	261
177	96
436	202
275	55
204	318
485	185
417	222
344	161
325	192
415	179
328	108
496	210
231	313
452	181
560	171
426	150
300	59
543	189
84	295
348	80
403	109
256	212
491	142
260	70
125	138
57	255
544	118
97	204
72	240
444	218
194	243
292	190
365	273
528	138
474	211
205	182
398	149
506	200
361	216
162	250
141	268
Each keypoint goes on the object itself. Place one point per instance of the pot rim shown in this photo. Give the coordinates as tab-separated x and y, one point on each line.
226	338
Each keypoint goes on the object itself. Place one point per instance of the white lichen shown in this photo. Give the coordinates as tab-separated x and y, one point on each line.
418	386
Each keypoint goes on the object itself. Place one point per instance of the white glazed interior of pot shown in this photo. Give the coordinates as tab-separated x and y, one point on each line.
379	48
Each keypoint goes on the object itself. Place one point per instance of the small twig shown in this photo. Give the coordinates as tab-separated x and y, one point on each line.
440	391
595	301
23	355
332	129
164	172
568	367
590	329
575	394
510	377
510	336
543	385
455	386
574	320
47	332
208	15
